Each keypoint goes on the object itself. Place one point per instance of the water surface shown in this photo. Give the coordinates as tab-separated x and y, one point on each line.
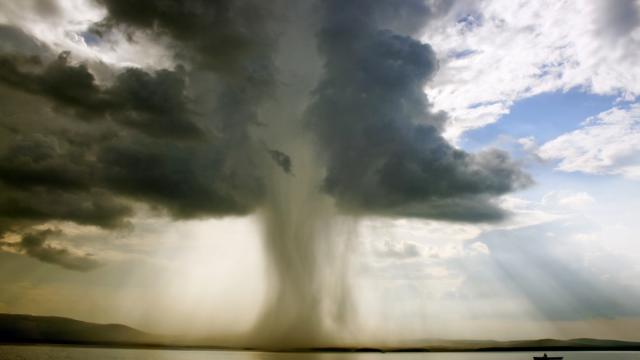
10	352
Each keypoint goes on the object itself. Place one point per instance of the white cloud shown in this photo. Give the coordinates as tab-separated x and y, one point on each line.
399	250
528	144
480	247
608	143
493	53
526	213
568	200
63	25
577	200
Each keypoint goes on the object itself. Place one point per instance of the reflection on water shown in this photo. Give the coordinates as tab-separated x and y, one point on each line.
10	352
586	355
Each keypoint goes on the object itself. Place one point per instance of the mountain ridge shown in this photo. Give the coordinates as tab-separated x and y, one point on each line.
33	329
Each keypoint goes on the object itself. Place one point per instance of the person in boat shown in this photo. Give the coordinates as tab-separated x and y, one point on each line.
545	356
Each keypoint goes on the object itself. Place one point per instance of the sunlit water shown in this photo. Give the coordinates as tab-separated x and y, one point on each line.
8	352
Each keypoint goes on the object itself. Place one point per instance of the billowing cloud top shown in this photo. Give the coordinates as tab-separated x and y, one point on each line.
87	141
384	146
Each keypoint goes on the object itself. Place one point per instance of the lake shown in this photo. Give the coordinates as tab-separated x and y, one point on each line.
10	352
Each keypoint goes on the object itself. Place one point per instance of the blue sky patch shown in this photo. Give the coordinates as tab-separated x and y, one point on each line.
545	117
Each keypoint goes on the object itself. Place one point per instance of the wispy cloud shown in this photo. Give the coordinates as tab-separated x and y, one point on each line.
36	245
608	143
517	49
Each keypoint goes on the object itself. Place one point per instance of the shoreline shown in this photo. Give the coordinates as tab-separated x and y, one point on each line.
319	350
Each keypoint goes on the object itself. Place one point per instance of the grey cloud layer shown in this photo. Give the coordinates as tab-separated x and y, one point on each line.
84	148
137	137
152	103
231	39
35	244
227	35
384	148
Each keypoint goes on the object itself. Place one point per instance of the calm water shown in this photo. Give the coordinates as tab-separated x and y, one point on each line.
70	353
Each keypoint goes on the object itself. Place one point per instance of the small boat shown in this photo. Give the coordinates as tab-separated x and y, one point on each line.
545	357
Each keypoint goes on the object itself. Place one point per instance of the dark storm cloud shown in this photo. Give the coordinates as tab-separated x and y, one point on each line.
32	161
151	152
227	50
228	38
95	207
224	36
14	40
189	181
35	244
51	170
476	208
62	82
42	184
51	178
282	160
182	140
44	177
152	103
384	148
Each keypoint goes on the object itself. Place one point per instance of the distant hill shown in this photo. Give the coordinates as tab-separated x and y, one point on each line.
514	345
520	345
575	344
59	330
28	329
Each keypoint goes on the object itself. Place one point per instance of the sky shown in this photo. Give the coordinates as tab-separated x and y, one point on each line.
377	170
